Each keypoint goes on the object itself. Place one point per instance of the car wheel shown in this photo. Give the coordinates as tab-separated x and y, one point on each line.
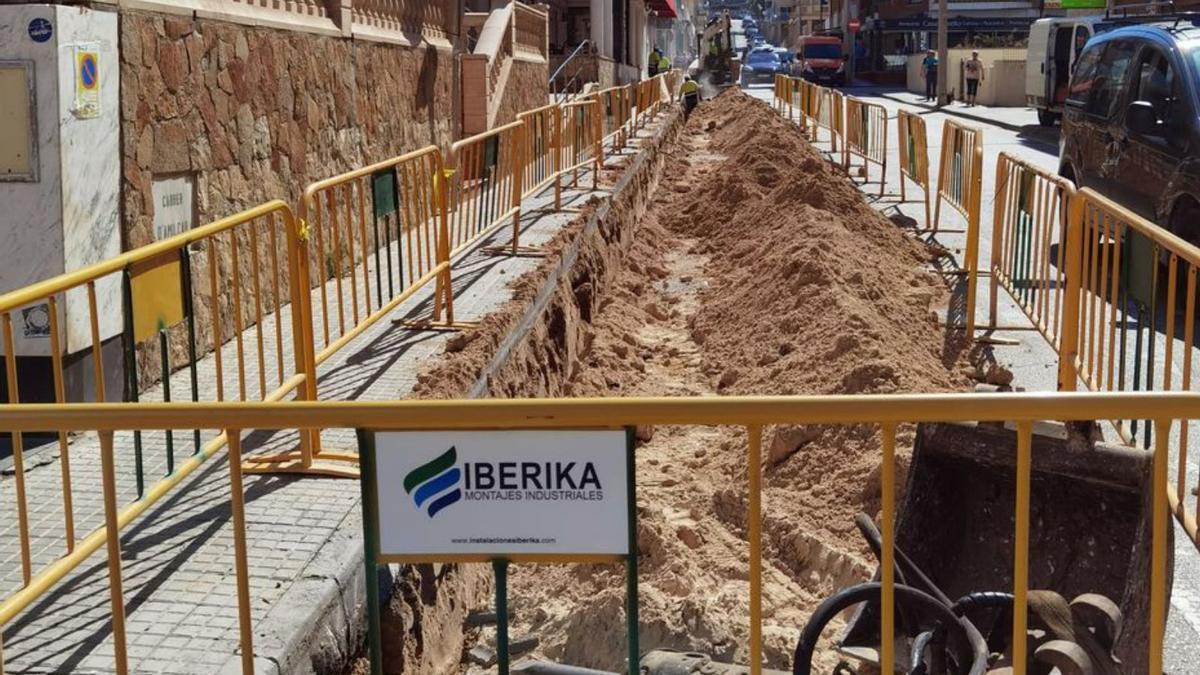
1185	220
1046	118
1067	171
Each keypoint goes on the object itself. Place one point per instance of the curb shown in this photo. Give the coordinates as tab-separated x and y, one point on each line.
1016	128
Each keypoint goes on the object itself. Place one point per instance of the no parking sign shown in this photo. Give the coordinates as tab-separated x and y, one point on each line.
87	81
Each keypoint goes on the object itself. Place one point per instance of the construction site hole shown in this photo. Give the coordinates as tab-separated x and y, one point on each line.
756	268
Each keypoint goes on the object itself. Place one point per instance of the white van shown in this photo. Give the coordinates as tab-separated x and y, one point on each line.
1054	44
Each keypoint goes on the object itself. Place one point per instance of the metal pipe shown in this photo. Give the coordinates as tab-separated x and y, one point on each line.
533	667
564	63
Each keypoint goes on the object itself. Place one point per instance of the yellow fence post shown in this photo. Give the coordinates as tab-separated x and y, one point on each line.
754	532
446	278
237	507
113	540
999	209
1021	548
518	172
18	454
975	200
303	339
598	133
887	553
558	125
1068	352
1158	548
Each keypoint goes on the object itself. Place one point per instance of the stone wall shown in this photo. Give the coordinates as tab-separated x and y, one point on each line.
525	90
255	114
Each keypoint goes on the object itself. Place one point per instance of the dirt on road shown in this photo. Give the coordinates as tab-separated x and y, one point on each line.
757	269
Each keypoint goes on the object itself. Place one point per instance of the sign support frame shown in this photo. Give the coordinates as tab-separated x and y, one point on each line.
371	559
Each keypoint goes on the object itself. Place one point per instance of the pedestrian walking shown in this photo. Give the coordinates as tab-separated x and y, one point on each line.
929	65
973	71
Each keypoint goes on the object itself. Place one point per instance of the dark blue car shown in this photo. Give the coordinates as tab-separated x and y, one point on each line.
762	66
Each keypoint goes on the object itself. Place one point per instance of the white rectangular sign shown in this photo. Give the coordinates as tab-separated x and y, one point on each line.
502	492
173	201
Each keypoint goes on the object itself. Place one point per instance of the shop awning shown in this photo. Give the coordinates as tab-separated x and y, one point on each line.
664	8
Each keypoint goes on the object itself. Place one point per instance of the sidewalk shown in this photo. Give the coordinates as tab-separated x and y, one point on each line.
1013	119
304	534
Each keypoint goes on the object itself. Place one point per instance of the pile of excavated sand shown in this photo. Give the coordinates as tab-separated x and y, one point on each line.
758	270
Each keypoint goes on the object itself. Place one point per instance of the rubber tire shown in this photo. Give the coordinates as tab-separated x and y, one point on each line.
1046	118
866	592
1184	221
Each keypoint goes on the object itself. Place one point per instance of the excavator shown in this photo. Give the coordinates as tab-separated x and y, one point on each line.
717	64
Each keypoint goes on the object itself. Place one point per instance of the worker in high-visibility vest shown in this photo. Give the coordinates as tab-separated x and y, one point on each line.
689	92
664	63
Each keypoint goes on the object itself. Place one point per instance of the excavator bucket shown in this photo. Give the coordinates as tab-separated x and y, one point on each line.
1089	537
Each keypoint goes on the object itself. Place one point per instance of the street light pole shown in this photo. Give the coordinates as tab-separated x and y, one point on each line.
943	54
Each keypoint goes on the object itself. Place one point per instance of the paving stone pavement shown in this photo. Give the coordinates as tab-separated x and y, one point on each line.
177	557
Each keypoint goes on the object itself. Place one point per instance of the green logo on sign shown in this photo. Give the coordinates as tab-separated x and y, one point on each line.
435	482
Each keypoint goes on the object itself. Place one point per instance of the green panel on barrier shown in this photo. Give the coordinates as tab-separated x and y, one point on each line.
1020	273
383	192
1140	266
491	151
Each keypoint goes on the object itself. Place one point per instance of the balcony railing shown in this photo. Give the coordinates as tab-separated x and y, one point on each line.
400	21
529	29
435	19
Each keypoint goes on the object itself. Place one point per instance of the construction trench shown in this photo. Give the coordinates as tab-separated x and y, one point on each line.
734	259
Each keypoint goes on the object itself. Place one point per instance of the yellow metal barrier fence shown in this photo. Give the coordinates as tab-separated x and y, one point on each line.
374	237
1131	290
1029	243
1096	280
486	190
885	412
616	106
649	98
232	269
365	242
543	158
866	137
674	80
914	154
583	139
960	184
1108	290
809	107
830	114
796	102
